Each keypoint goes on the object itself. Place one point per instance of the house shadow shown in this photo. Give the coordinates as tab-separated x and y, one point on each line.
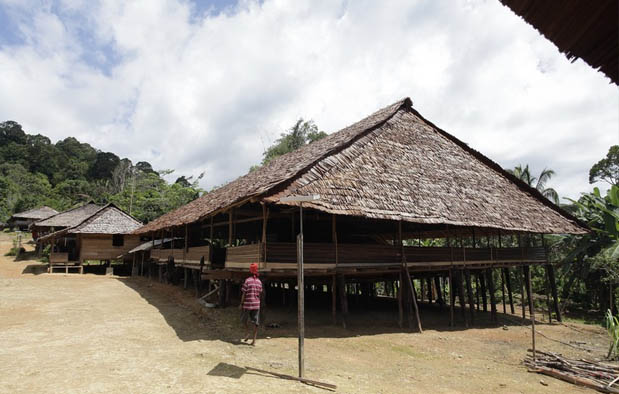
35	269
191	321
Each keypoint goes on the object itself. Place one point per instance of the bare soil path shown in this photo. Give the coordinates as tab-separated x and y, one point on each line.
95	334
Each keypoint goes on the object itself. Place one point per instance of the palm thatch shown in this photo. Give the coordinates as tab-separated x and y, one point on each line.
71	217
392	165
41	213
108	219
579	28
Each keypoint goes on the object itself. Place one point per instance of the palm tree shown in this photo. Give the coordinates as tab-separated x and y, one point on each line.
539	183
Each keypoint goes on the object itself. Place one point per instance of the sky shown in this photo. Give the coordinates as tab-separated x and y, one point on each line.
206	86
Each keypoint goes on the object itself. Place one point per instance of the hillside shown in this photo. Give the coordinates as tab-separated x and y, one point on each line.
34	171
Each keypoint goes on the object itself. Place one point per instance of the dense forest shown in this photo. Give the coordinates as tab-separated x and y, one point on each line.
36	172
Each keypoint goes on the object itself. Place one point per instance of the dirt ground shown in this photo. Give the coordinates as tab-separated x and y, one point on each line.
96	334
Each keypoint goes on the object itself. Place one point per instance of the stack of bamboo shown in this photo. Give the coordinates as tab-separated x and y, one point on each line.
592	374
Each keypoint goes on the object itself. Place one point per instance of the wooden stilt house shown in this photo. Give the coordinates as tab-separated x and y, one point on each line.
399	199
23	220
90	233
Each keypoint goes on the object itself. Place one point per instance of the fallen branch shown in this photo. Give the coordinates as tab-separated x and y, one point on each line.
582	372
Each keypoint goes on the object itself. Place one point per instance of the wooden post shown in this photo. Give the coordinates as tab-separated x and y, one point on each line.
550	270
334	299
265	218
477	288
400	299
334	238
484	292
439	292
343	299
490	280
230	230
469	289
430	290
522	297
527	278
461	296
531	309
508	284
503	290
452	298
414	297
186	244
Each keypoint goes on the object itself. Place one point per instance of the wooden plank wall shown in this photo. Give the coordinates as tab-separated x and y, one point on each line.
99	247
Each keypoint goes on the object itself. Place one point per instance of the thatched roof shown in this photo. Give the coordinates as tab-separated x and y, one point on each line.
392	165
108	219
41	213
579	28
71	217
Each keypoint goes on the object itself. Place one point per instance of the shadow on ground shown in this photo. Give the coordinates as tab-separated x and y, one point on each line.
192	322
35	269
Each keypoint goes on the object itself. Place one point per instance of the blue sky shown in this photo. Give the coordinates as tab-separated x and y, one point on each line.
207	85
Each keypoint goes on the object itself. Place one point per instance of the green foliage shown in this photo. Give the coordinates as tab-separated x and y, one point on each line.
612	327
35	172
302	133
539	182
607	169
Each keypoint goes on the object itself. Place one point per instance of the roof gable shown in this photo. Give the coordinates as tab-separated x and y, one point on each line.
109	220
410	170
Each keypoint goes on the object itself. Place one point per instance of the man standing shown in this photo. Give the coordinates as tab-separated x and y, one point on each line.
250	302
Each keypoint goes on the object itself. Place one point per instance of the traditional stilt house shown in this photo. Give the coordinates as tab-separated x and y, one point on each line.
23	220
95	233
400	199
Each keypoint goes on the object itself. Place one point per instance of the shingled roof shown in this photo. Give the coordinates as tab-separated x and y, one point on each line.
108	220
71	217
41	213
392	165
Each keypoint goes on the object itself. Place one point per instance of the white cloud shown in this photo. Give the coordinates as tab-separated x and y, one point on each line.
155	81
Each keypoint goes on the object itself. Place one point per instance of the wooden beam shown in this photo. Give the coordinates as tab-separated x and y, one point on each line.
411	288
490	280
469	289
452	298
531	309
550	270
508	284
334	299
230	226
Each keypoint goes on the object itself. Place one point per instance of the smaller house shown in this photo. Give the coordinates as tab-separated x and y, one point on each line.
103	236
23	220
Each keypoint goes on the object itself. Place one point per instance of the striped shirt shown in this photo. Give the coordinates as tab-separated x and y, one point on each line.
252	289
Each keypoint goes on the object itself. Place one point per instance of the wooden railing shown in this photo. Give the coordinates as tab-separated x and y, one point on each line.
327	255
193	254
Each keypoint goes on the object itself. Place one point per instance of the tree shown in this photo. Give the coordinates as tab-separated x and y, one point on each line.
104	165
607	169
539	183
302	133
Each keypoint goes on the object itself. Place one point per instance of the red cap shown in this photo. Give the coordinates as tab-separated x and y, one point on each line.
253	268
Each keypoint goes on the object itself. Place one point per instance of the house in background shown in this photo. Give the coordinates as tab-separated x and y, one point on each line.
23	220
103	235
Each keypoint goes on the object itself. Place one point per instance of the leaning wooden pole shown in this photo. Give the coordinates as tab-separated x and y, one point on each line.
411	288
452	298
